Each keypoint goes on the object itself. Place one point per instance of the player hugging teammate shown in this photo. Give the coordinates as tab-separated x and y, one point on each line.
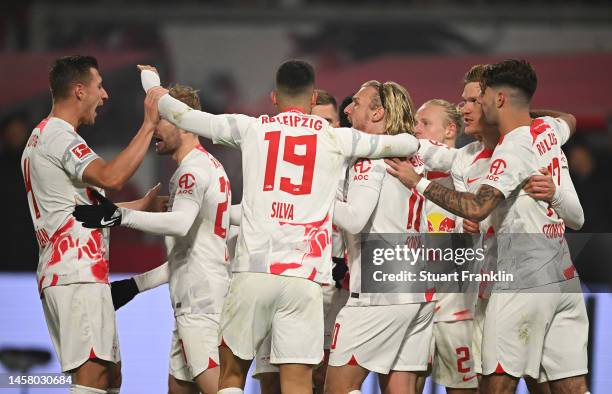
267	295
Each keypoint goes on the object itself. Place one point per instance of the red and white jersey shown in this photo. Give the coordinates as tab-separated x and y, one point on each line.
291	163
399	211
541	259
53	163
199	262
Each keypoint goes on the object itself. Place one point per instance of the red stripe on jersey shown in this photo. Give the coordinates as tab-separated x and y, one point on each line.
463	312
411	202
40	282
437	174
501	139
312	274
353	361
429	293
499	369
538	126
417	221
54	279
211	363
42	124
437	308
279	268
483	154
569	272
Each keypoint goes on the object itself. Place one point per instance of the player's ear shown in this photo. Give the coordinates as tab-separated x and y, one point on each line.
79	91
273	97
378	114
451	131
500	99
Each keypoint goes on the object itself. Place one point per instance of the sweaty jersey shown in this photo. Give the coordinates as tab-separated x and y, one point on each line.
291	163
53	163
199	262
530	234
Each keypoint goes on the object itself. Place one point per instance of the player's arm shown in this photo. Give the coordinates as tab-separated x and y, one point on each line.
567	118
114	174
563	199
361	200
471	206
123	291
236	215
437	157
220	129
150	202
175	223
354	143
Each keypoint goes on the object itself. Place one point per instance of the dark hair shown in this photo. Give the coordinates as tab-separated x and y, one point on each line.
187	95
474	74
344	121
69	70
294	78
324	98
513	73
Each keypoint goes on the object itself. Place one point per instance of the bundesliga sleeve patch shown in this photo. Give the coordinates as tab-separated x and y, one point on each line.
81	151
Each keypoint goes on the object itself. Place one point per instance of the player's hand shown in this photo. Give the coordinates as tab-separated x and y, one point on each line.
541	187
151	112
339	271
123	291
471	227
152	202
402	169
103	214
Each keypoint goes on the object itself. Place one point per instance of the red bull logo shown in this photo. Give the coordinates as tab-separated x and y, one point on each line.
437	222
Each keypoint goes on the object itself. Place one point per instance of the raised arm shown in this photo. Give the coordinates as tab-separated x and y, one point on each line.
354	143
437	157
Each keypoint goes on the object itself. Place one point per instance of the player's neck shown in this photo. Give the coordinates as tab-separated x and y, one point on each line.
184	150
512	120
294	106
65	113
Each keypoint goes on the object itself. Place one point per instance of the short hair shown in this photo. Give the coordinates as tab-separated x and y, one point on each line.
474	74
295	78
187	95
513	73
69	70
451	111
398	106
325	98
344	120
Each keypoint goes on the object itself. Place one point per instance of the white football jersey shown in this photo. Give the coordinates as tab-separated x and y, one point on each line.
399	211
53	163
530	234
291	163
199	262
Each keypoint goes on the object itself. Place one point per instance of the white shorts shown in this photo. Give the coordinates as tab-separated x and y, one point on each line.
479	317
542	335
194	345
453	364
262	359
81	322
334	300
290	309
383	338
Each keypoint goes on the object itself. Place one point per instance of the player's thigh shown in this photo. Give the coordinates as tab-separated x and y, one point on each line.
297	327
177	386
398	382
295	378
345	378
269	382
208	381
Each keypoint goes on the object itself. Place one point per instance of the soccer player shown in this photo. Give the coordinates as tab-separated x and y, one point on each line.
452	363
530	242
385	333
61	170
291	165
198	269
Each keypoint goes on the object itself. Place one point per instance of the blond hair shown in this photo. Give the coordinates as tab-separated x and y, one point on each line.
187	95
474	74
453	115
398	106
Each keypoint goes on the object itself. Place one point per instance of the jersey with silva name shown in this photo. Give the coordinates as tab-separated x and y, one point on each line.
291	163
199	262
530	234
53	163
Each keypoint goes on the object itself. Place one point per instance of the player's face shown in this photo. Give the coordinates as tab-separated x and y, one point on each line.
327	112
471	109
430	123
489	109
94	96
359	111
167	138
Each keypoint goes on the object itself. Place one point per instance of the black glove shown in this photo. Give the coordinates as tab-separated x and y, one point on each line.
103	214
339	271
123	291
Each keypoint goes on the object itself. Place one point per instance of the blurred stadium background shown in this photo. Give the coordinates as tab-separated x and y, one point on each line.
229	50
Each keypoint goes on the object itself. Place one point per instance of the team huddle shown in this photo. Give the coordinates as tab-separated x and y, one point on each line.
278	278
